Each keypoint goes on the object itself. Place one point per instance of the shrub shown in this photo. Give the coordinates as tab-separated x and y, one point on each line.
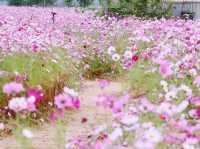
99	66
140	8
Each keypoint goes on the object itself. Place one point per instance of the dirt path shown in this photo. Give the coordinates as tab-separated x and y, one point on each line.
49	136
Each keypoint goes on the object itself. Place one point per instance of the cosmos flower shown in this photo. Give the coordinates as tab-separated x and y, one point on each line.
128	54
2	126
153	135
12	87
143	144
103	83
182	106
111	50
27	133
115	57
31	101
197	81
63	101
116	134
195	101
36	94
129	120
165	69
71	92
76	103
135	58
18	104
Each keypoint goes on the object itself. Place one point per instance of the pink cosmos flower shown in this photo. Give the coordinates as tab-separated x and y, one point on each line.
147	105
35	47
165	69
118	106
76	143
128	64
197	81
172	139
20	77
12	87
63	101
58	113
103	83
195	101
106	101
35	93
98	145
31	104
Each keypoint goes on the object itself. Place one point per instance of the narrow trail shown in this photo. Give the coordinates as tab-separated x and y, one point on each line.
47	136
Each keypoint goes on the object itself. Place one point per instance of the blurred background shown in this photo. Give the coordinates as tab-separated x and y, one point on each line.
189	9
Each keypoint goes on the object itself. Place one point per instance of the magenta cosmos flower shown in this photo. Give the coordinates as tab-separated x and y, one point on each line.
76	103
35	93
198	112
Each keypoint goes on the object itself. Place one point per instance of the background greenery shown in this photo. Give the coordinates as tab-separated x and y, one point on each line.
139	8
31	2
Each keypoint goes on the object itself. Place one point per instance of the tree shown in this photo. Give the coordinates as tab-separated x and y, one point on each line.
68	2
140	8
85	3
30	2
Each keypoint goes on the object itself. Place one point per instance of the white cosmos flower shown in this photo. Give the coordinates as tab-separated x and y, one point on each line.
116	134
2	126
99	129
18	104
68	145
27	133
129	119
128	54
111	50
71	92
170	95
182	106
186	89
166	108
163	83
147	125
31	99
143	144
153	135
115	57
190	143
166	89
193	72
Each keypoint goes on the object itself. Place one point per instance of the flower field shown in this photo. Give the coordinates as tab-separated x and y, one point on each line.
48	55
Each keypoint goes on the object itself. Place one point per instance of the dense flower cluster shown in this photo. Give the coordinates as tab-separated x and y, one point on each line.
166	52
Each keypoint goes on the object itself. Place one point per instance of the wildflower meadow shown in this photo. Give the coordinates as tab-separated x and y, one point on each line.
80	80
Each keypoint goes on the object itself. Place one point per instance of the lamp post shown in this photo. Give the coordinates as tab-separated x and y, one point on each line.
44	3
